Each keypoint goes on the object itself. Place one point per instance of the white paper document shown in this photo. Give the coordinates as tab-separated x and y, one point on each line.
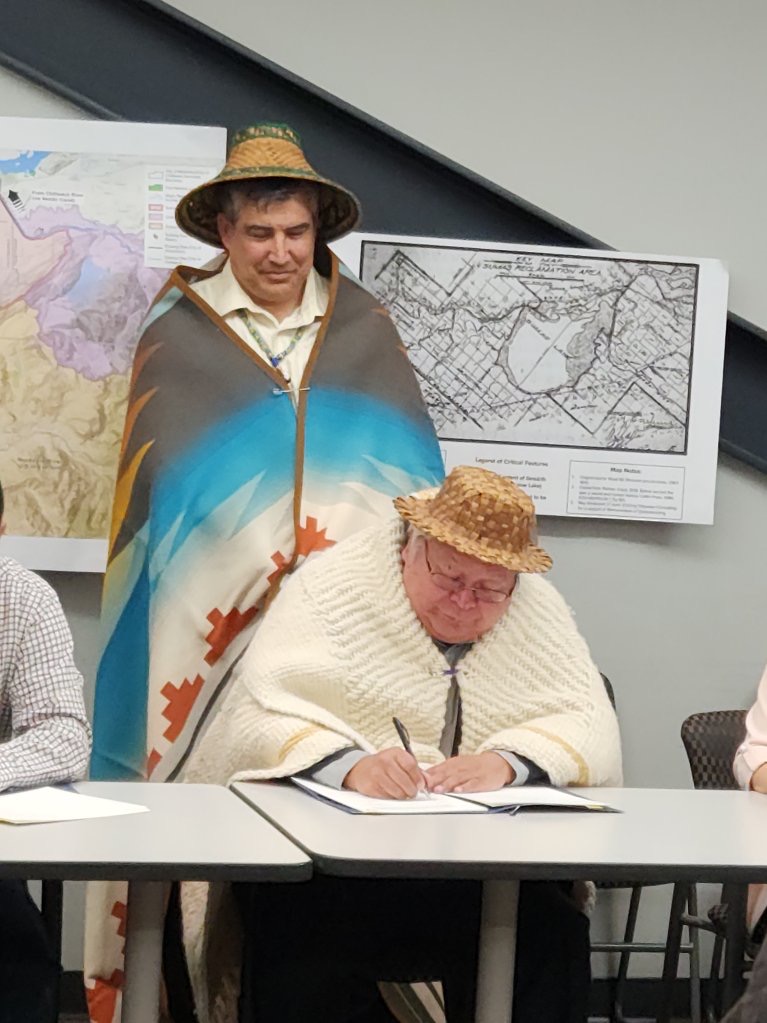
49	805
511	798
355	802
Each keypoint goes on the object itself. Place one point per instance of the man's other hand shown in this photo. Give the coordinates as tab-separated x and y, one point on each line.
390	774
481	772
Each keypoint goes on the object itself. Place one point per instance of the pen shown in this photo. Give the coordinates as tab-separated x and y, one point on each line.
404	738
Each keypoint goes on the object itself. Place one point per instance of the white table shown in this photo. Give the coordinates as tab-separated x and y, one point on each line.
662	835
192	833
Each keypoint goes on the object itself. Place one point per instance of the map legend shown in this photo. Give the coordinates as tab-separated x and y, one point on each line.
165	244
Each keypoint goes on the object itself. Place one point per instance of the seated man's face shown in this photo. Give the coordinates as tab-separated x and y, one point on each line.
457	598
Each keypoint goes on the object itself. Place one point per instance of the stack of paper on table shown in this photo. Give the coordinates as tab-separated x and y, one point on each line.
511	798
49	805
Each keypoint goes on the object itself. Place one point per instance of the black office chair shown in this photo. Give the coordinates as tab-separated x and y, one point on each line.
710	741
628	945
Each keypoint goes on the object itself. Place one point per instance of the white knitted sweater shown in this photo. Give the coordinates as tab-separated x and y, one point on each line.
338	654
341	651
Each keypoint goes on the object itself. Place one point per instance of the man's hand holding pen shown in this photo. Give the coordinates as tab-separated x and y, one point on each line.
394	773
391	774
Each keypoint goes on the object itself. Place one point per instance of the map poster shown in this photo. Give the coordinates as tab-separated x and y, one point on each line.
591	377
87	237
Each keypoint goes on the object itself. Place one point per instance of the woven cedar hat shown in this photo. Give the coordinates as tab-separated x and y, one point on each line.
266	151
481	514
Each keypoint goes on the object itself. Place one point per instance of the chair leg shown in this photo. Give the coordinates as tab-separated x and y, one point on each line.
735	944
694	937
671	958
712	993
616	1011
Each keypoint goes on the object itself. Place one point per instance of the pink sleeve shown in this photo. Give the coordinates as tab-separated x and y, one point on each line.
752	752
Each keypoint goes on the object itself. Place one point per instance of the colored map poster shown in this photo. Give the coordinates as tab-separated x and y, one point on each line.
592	377
86	240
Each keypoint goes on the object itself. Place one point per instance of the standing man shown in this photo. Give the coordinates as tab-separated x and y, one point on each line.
272	412
44	739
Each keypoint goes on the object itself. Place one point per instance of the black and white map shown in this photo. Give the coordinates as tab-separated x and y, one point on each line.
541	348
592	377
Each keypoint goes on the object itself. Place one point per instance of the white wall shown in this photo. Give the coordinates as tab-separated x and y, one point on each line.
642	125
639	122
19	98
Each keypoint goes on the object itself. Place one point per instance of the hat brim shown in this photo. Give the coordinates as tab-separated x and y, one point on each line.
197	213
417	511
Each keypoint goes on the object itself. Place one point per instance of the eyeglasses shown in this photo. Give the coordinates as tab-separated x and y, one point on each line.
451	585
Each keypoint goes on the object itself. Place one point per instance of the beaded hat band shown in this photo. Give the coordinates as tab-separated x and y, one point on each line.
481	514
266	151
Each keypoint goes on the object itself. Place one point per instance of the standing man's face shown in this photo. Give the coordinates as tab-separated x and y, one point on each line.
271	250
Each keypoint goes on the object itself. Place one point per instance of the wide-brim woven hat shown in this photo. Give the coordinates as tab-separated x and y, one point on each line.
481	514
266	151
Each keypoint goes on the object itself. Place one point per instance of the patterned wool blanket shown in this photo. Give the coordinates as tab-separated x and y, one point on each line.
224	486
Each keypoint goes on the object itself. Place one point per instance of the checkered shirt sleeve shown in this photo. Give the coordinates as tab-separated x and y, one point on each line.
44	733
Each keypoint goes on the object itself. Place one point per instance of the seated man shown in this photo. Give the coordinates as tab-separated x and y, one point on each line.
44	738
444	621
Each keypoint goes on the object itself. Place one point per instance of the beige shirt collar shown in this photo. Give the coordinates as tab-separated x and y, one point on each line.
225	294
